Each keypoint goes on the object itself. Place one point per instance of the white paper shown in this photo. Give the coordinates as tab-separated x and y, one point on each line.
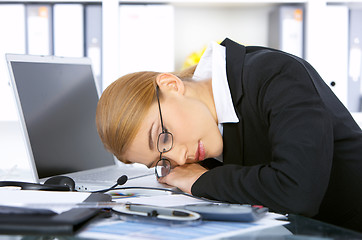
24	198
205	230
163	200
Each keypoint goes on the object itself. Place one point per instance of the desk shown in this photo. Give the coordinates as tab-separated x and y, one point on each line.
299	228
303	226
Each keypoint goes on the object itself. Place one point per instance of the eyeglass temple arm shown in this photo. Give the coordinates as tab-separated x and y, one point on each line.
159	106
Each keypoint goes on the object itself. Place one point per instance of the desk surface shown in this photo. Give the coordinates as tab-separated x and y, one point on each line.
299	228
303	226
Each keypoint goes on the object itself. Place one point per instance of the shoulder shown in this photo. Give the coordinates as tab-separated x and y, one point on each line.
255	69
258	61
265	64
274	76
266	58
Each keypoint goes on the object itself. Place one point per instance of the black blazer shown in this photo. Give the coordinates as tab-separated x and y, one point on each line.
296	148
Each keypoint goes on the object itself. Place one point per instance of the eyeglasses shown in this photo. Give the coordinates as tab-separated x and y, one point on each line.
164	144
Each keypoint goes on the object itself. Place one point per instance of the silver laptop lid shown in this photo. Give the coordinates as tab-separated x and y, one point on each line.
56	100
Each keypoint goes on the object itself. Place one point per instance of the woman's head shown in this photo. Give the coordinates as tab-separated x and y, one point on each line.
128	118
121	109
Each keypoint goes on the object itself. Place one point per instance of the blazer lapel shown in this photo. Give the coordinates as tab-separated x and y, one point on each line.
233	143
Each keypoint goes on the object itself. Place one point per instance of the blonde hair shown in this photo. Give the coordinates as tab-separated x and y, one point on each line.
122	107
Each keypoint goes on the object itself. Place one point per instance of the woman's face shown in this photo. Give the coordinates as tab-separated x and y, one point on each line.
195	132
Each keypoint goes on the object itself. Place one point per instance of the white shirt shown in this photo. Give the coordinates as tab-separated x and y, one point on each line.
213	65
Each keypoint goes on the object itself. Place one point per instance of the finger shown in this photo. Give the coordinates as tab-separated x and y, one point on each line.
161	180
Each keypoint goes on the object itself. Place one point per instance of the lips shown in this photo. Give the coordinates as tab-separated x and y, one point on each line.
200	153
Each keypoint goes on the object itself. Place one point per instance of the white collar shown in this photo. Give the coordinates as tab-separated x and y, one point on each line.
213	65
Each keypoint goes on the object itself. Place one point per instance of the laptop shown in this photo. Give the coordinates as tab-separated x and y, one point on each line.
56	99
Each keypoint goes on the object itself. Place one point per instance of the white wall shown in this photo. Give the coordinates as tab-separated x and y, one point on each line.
194	27
12	35
13	157
197	26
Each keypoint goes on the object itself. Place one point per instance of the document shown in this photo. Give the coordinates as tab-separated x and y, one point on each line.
172	200
205	230
50	212
23	198
136	229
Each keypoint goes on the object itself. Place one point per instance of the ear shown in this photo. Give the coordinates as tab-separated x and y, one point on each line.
170	82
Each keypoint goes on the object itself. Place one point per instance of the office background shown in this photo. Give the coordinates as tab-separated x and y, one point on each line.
159	35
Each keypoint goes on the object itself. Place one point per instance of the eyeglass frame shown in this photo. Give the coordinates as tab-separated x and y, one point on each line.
165	161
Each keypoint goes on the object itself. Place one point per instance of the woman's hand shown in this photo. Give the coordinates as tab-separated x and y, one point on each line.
183	177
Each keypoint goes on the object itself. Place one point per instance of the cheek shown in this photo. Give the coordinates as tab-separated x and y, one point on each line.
138	151
137	156
189	121
204	127
194	122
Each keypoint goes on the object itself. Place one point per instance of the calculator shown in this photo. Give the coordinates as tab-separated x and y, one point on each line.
228	212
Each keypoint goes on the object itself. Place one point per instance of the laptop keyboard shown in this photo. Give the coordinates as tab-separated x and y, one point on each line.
110	175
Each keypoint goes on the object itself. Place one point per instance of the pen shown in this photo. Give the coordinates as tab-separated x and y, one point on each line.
75	205
149	210
155	211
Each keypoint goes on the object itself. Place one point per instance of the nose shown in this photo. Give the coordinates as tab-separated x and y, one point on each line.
177	155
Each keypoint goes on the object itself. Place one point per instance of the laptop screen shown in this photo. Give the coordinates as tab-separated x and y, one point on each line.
58	100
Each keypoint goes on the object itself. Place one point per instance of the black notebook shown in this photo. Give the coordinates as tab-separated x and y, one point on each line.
15	220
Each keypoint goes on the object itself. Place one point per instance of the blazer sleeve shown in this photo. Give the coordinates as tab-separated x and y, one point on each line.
282	96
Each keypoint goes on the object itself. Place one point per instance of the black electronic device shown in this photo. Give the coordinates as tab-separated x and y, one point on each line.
228	212
61	181
21	220
34	186
57	183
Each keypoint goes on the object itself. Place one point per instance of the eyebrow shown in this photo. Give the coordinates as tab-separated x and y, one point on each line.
150	140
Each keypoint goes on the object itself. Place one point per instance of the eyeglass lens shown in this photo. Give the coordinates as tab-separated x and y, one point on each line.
165	141
163	167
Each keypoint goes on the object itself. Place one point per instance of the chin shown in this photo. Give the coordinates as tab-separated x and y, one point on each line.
214	149
214	154
218	151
